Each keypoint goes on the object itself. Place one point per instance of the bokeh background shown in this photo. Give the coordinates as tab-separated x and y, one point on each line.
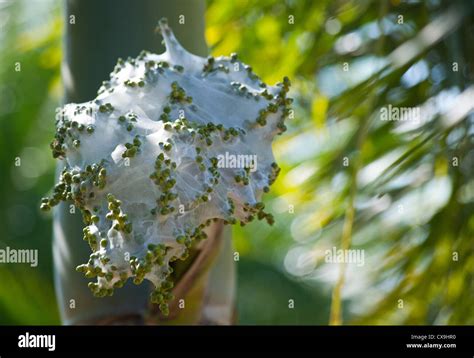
402	191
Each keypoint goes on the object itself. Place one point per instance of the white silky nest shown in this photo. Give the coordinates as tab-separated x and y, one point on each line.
172	142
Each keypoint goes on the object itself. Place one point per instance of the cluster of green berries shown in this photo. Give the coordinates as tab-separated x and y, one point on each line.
91	184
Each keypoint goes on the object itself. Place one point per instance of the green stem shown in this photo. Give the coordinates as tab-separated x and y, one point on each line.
336	303
336	317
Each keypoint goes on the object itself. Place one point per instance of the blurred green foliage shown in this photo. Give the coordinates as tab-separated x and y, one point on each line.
402	191
29	93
